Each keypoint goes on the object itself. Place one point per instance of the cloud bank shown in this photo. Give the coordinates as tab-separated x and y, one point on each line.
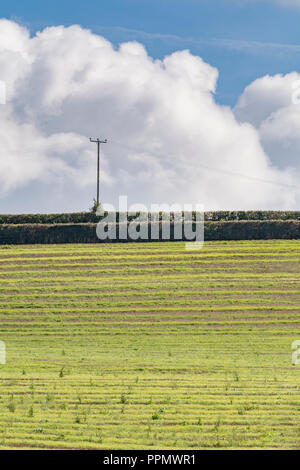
169	141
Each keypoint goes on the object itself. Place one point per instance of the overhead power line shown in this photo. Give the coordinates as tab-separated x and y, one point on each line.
214	169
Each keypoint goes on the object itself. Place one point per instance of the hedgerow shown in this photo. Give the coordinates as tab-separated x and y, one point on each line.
86	233
91	217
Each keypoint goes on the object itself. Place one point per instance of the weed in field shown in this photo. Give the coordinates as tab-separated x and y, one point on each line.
236	377
123	399
11	406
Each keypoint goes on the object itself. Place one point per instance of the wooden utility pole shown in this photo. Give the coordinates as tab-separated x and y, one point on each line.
98	142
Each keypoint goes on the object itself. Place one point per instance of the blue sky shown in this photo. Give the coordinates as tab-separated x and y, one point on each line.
244	39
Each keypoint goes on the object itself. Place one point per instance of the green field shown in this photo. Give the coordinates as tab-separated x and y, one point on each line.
149	346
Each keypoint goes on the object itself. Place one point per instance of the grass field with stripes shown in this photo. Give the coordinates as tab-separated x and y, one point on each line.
150	346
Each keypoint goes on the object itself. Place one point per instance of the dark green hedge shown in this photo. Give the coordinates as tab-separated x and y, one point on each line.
89	217
86	233
253	230
252	215
72	218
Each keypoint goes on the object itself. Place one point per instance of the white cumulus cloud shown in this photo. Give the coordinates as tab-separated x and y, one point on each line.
272	105
169	141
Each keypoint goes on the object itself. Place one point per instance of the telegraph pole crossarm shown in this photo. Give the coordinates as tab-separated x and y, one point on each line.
98	142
